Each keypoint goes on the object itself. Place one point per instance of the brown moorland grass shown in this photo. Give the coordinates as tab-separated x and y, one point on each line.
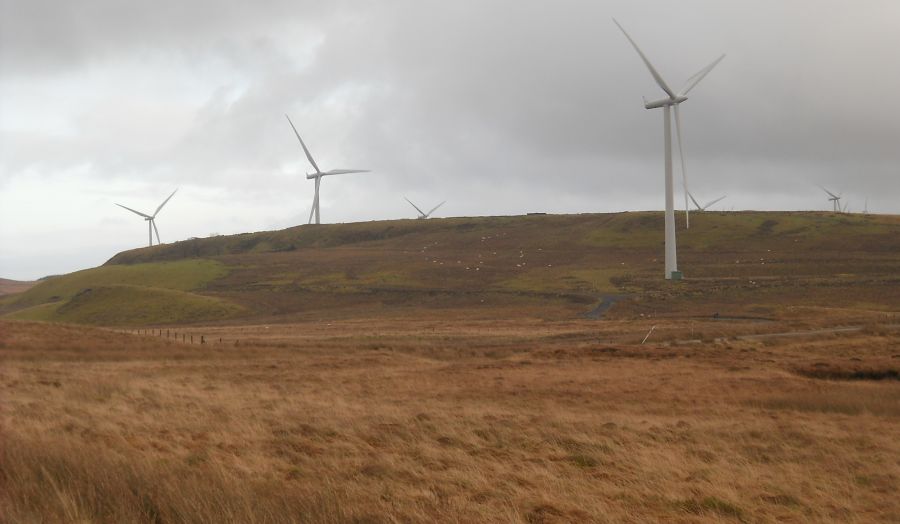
448	418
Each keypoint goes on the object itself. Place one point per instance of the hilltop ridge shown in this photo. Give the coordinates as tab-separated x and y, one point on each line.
547	266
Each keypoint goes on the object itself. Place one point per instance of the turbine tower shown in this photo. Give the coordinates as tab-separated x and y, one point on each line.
834	199
708	204
151	219
422	214
672	101
318	174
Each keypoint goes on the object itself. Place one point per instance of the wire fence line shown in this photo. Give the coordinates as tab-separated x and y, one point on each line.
183	337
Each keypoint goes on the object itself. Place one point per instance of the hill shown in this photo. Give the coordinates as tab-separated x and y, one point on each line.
751	264
9	287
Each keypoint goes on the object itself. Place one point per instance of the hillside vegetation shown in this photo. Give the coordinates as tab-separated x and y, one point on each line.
134	295
552	266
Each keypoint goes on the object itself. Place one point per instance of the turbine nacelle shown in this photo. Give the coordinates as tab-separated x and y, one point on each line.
665	102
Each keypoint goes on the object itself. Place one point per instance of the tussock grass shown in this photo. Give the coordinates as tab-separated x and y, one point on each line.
418	420
856	399
66	480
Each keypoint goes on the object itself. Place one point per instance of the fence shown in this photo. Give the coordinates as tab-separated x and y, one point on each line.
185	337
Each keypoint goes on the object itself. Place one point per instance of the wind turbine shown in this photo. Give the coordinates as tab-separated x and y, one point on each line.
835	199
672	100
151	219
708	204
422	214
318	174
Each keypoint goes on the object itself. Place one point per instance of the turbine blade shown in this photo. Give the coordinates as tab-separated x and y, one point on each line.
415	206
133	211
308	156
832	195
435	208
344	171
694	80
687	211
699	208
656	76
164	203
157	231
707	206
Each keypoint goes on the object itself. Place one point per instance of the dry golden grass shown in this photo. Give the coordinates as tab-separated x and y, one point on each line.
447	420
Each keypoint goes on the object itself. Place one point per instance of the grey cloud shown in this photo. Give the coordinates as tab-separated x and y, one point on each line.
502	107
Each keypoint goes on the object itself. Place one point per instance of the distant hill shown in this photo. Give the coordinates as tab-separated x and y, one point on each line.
549	266
8	287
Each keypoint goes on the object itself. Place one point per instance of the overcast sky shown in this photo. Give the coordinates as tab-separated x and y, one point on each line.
499	107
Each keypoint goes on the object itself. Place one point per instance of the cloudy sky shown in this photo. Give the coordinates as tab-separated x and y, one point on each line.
499	107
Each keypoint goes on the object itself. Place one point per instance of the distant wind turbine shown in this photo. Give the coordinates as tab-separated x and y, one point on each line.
318	174
708	204
835	200
151	219
422	214
673	100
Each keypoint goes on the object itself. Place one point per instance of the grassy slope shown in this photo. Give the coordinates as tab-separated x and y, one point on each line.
156	292
131	305
556	266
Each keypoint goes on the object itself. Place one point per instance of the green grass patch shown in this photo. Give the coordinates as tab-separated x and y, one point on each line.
351	280
38	312
183	275
549	280
132	305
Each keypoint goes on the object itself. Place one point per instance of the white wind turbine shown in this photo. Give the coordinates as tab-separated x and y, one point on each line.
422	214
834	199
673	100
151	219
318	174
708	204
